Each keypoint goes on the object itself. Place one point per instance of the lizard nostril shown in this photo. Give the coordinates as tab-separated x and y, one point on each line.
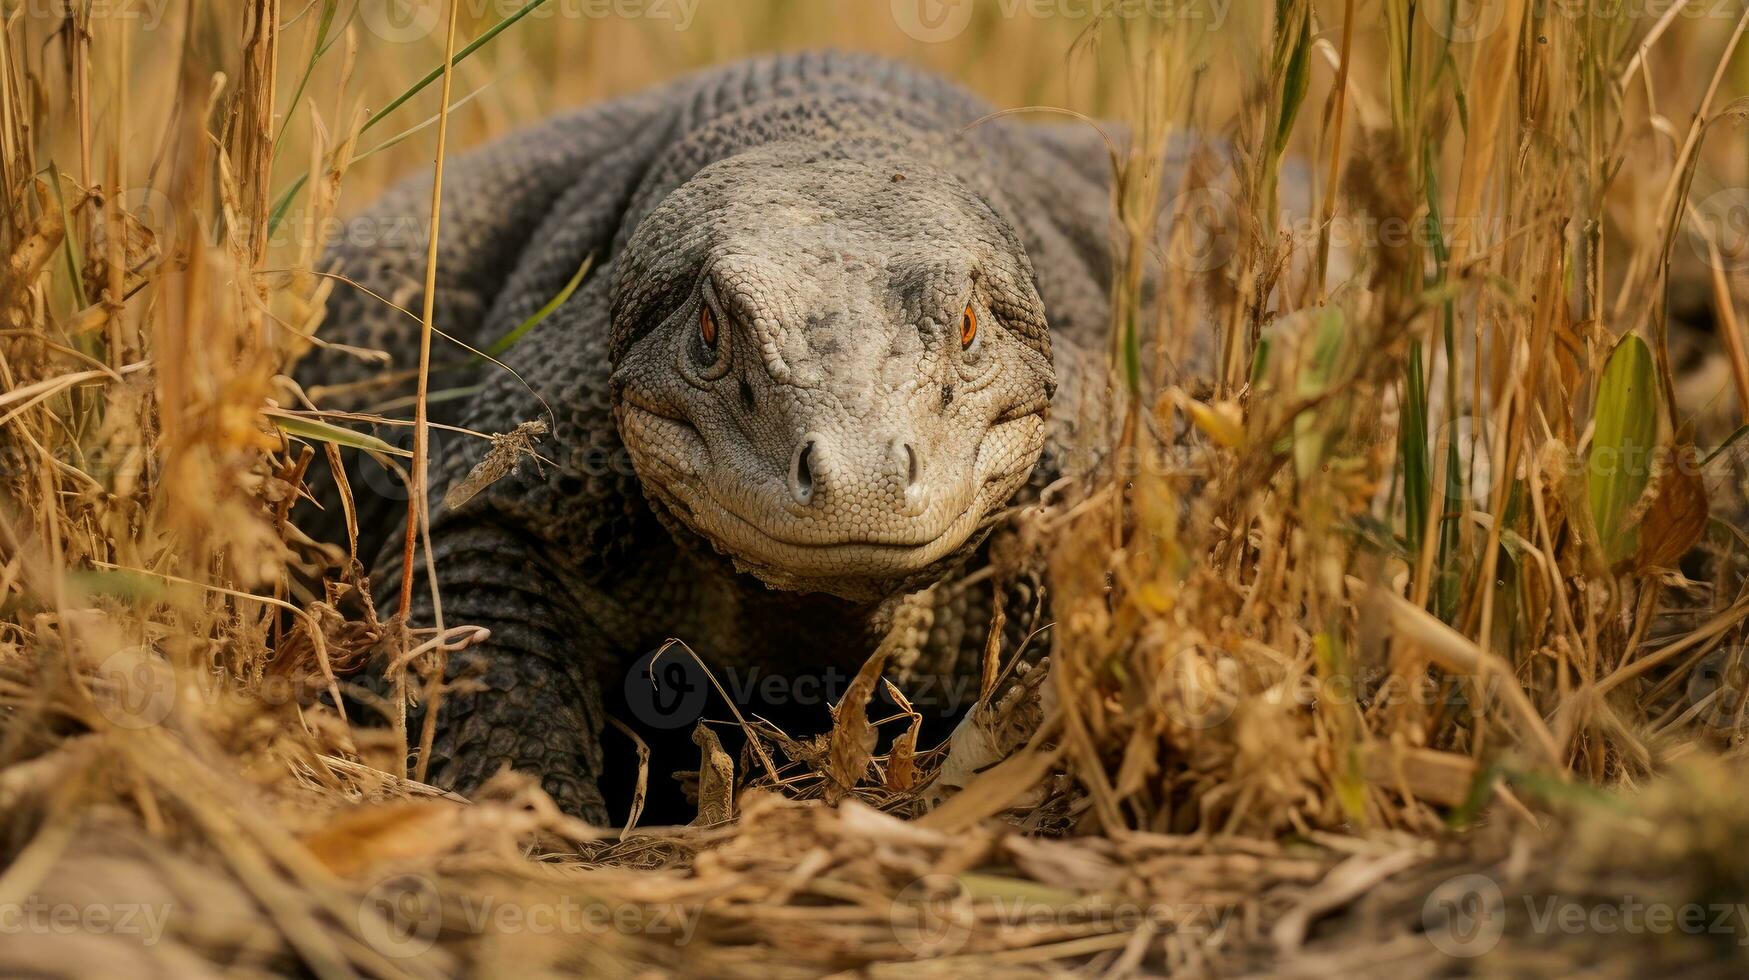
914	496
912	463
801	477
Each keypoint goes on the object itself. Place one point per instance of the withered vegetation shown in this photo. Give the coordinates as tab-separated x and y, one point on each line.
1438	580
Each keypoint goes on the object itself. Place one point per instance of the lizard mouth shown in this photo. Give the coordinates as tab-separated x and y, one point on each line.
851	568
952	531
846	543
733	510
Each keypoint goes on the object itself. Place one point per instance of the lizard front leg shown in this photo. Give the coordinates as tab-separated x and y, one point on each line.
528	698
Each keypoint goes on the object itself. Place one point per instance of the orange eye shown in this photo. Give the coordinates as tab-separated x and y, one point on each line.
707	326
968	327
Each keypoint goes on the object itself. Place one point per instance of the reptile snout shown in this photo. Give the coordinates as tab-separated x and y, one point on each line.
825	472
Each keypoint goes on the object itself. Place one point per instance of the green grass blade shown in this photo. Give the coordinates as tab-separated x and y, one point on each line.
1132	354
1260	360
1626	430
1328	335
1293	59
284	203
505	342
69	241
1729	441
321	47
319	431
1447	576
417	128
1412	453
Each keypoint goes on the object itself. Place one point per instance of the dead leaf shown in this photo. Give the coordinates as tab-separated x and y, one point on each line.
1440	778
853	738
23	266
992	790
507	449
993	649
641	790
1677	516
367	836
902	761
716	779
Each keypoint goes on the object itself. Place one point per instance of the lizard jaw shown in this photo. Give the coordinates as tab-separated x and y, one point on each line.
846	565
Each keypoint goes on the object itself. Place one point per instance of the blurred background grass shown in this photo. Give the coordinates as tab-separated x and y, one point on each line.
576	51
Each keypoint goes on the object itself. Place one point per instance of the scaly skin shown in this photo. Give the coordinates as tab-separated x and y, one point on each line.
783	493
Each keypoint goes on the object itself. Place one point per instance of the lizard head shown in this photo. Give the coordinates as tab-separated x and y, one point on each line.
835	370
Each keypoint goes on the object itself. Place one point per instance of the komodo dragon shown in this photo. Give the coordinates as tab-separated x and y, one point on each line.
811	368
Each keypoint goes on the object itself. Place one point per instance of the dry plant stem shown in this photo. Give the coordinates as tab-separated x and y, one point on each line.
79	35
752	739
1340	97
1670	208
1651	39
1714	627
116	223
1491	71
317	642
1730	329
253	148
1455	653
418	519
643	783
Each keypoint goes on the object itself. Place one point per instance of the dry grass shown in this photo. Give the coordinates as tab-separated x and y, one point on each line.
1440	573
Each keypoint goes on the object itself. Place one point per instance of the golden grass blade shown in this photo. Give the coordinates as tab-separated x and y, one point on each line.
1457	654
418	505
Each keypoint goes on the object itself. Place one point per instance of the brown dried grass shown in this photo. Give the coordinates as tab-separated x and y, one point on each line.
1475	664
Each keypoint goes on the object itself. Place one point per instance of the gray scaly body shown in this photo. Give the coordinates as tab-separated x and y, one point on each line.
813	366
